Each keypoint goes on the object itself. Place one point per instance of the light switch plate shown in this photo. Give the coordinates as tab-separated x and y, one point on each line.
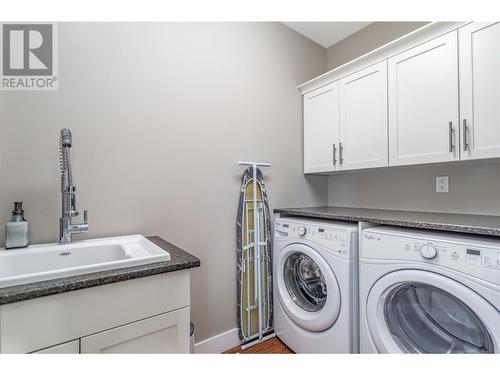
442	184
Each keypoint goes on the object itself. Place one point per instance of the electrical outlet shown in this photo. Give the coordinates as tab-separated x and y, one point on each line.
442	184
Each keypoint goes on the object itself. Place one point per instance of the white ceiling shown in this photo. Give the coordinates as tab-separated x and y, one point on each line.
326	33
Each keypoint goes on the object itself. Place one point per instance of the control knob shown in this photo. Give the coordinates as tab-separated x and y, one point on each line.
428	252
301	231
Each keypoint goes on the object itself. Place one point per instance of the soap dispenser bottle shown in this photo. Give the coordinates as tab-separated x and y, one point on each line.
17	230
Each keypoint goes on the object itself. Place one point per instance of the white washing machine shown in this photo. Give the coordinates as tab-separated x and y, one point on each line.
315	285
429	292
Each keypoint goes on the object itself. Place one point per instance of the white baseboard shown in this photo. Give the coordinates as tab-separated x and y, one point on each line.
218	343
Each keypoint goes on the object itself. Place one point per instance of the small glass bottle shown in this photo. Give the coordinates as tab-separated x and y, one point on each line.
17	230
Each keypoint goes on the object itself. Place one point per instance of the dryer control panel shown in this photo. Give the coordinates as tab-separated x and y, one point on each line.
474	255
335	240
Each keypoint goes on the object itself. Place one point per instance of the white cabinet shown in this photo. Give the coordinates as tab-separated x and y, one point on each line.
345	123
480	90
432	96
321	129
72	347
423	103
363	118
147	314
164	333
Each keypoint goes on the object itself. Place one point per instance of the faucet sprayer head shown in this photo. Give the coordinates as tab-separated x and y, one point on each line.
65	142
65	137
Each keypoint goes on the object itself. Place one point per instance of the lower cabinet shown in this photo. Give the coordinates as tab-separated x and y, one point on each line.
143	315
72	347
164	333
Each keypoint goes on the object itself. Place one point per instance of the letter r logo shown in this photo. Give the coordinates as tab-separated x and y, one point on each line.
27	49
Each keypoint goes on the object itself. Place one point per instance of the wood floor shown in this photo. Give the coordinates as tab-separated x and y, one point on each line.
271	346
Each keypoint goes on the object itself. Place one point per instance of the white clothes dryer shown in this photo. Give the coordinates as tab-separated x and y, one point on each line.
429	292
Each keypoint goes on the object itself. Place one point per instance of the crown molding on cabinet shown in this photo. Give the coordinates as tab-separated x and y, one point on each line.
410	40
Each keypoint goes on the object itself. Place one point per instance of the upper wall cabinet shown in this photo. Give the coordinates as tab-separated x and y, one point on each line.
480	90
363	118
345	122
423	103
321	129
431	96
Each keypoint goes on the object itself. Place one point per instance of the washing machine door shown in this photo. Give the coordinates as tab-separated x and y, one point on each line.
307	287
415	311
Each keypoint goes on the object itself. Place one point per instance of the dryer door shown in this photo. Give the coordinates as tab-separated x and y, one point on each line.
414	311
307	288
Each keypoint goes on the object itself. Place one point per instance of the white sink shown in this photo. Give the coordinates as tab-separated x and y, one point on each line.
53	261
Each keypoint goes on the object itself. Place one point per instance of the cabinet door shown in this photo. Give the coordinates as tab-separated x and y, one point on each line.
363	118
480	90
423	103
321	129
166	333
72	347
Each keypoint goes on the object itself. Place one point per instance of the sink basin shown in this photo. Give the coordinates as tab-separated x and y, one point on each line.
53	261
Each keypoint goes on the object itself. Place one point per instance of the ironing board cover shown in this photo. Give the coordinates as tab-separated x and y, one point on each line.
248	315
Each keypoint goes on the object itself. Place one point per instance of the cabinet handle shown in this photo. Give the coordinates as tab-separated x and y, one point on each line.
450	136
466	143
341	151
334	154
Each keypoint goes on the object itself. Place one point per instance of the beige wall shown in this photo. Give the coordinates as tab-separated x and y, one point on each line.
367	39
160	115
474	186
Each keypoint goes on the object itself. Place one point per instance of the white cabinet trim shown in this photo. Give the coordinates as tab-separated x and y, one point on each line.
410	40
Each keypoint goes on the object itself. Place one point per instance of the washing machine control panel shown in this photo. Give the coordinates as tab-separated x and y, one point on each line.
454	254
334	240
480	258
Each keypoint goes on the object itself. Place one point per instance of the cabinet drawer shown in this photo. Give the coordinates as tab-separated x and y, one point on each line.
165	333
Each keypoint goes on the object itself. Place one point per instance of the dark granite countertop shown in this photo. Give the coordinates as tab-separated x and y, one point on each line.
477	224
179	260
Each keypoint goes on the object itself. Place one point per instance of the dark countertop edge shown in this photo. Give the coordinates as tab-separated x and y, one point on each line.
179	260
407	222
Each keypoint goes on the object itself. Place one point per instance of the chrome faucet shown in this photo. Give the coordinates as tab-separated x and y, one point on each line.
68	193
